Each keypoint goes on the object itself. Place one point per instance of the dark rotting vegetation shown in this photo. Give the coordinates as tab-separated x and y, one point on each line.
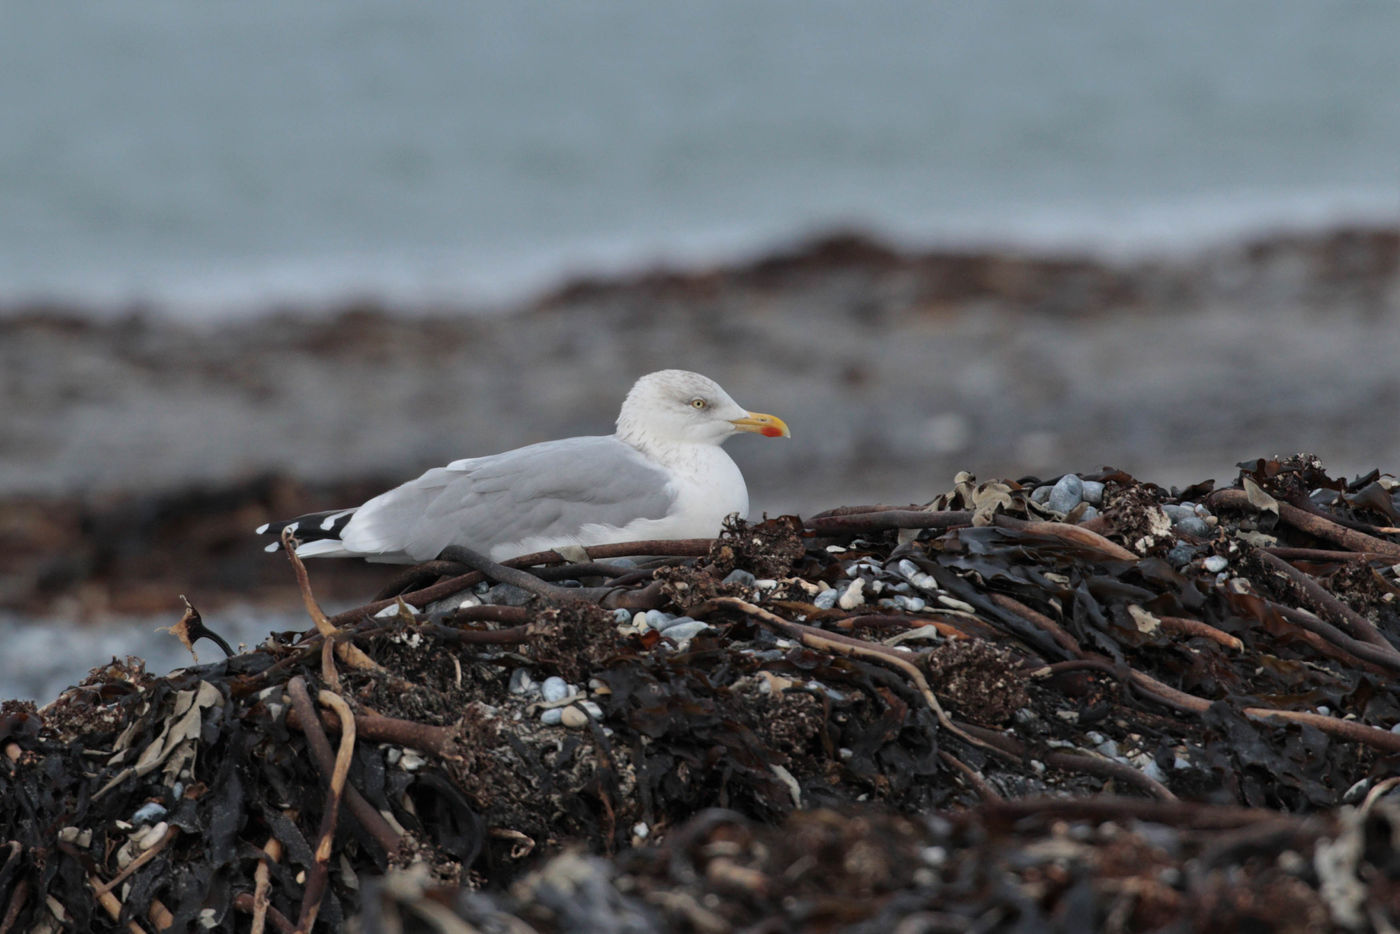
1171	710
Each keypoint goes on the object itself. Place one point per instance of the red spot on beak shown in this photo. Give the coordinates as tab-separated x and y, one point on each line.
768	431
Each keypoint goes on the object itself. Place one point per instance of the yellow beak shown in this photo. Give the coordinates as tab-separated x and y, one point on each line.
770	426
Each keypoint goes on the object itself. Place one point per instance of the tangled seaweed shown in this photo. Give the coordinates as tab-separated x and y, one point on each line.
982	713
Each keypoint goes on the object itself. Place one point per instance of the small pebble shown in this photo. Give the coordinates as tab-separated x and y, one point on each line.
148	813
1066	494
590	708
1089	513
953	603
1154	771
739	576
521	682
622	616
675	621
656	619
573	718
1215	564
1176	512
152	836
640	830
1093	492
826	599
1194	526
1041	494
1181	555
685	631
552	717
555	689
765	583
853	596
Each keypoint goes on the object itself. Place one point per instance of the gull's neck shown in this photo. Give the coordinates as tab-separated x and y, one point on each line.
670	451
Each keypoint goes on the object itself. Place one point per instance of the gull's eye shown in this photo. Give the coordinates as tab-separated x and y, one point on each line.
699	404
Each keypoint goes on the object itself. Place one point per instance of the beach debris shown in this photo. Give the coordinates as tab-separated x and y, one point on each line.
1027	717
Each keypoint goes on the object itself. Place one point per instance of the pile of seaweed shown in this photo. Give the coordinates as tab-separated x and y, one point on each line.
1092	703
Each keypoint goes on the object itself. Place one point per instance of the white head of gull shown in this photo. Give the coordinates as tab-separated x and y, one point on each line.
661	475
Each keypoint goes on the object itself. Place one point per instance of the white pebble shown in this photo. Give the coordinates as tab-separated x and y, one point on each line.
656	619
675	621
953	603
1093	492
521	682
826	599
853	597
552	717
555	689
152	835
685	631
1215	564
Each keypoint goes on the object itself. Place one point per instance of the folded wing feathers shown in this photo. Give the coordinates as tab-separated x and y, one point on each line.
556	489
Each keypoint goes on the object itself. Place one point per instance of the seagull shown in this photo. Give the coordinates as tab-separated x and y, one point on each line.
661	475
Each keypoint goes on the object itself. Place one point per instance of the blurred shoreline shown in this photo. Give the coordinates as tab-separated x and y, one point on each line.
136	454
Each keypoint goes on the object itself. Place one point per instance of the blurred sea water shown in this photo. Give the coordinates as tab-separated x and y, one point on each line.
217	159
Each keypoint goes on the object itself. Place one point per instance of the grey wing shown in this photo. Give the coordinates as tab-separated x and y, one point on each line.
552	489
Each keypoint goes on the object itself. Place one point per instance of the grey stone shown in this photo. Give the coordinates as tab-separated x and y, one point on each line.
1067	493
1193	525
740	576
